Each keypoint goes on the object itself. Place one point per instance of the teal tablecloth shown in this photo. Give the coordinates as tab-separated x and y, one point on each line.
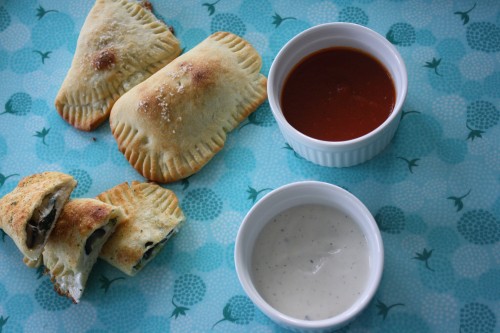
434	191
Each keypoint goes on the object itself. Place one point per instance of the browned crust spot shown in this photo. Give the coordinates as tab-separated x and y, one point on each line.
104	60
147	5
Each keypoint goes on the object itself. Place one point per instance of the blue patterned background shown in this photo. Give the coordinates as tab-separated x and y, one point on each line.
434	191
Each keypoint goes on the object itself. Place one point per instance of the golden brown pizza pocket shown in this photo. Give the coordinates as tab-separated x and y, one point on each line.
172	124
28	213
152	216
121	44
74	245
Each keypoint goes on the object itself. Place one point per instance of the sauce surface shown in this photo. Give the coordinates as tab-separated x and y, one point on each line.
310	262
337	94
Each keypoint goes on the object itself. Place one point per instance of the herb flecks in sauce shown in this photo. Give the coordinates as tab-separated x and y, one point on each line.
310	262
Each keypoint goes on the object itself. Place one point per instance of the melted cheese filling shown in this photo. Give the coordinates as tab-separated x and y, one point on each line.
75	281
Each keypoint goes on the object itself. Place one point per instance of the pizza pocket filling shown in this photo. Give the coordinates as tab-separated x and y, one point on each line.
43	219
29	213
73	247
152	250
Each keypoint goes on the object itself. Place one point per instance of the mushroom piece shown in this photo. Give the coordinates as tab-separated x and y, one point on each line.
41	222
153	249
96	235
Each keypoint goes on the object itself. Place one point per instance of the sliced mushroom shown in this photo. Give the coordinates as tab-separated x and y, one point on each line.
99	233
41	222
152	249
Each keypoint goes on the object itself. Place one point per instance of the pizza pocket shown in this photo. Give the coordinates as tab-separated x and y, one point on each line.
152	216
121	44
74	245
172	124
28	213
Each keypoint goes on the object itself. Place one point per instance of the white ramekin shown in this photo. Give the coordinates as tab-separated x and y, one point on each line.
283	198
339	153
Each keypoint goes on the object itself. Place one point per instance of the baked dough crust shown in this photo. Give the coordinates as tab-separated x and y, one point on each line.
152	216
121	44
67	256
172	124
35	198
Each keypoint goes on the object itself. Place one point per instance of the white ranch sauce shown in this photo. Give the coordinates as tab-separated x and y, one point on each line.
310	262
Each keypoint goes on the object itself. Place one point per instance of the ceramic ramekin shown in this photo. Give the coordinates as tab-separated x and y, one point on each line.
339	153
295	194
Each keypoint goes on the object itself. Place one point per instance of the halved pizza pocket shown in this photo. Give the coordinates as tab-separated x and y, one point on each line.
172	124
74	245
152	216
28	213
121	44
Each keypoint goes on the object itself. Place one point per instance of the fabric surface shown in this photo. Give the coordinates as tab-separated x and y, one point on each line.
434	191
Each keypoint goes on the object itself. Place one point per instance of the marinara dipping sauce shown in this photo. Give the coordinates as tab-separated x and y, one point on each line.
338	94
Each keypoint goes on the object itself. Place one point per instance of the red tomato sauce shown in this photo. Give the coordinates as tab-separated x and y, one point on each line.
337	94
